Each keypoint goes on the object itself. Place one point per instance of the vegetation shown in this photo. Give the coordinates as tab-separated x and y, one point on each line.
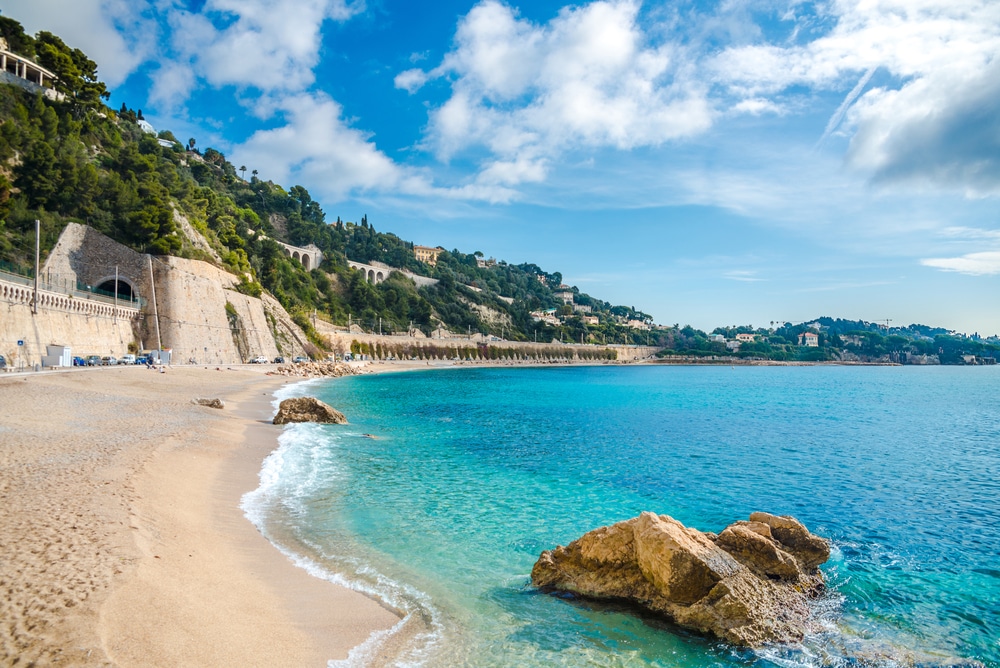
838	340
78	160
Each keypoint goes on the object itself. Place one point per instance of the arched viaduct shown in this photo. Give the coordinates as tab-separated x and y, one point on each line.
377	272
310	256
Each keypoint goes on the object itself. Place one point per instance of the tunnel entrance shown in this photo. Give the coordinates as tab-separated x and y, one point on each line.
122	289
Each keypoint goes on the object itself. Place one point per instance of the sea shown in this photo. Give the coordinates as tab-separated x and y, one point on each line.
446	485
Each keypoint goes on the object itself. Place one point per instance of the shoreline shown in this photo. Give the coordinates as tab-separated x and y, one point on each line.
123	538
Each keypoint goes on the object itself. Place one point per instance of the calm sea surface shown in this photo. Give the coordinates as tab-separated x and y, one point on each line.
473	472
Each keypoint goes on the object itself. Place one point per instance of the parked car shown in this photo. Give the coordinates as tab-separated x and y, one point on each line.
79	361
127	359
3	362
279	360
260	359
93	360
301	360
142	359
109	360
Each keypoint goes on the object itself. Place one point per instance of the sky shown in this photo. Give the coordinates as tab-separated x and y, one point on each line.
710	163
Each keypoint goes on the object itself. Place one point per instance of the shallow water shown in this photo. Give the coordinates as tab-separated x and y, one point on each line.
473	472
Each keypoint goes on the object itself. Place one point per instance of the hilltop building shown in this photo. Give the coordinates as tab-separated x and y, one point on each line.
809	339
427	254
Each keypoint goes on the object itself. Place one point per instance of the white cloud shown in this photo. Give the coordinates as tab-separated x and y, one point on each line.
316	146
527	93
113	33
268	45
934	120
410	80
974	264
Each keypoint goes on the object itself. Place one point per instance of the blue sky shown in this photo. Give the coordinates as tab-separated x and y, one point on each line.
735	162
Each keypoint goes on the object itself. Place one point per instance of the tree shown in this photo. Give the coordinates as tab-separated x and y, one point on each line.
253	175
76	74
243	170
191	143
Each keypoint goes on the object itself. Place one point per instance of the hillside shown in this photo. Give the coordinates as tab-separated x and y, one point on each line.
77	160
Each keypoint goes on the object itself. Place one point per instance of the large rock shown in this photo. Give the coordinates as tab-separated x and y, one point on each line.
746	586
307	409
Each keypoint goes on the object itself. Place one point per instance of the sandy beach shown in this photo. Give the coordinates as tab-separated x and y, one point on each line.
121	538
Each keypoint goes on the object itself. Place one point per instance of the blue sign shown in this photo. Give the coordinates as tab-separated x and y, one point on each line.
20	343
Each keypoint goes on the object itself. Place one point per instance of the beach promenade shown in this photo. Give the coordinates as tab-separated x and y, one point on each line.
121	538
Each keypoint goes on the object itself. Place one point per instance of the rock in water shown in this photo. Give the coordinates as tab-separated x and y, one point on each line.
749	585
307	409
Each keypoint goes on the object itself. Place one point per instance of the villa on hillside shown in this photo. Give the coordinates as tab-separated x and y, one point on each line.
566	296
427	254
23	72
809	339
746	338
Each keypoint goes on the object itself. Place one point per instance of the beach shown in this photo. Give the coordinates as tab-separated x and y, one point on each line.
121	537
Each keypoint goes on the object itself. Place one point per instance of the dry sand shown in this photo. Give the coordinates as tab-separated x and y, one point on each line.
121	539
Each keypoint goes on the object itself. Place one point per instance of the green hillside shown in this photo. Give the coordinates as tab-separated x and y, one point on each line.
78	160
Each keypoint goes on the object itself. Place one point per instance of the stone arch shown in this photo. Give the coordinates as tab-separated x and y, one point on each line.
379	277
295	256
371	275
125	289
305	261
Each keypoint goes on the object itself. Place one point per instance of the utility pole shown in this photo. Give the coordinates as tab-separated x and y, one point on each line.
156	315
38	245
115	316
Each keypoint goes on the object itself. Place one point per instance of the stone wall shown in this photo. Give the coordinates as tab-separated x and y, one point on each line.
89	327
191	299
341	342
85	255
187	316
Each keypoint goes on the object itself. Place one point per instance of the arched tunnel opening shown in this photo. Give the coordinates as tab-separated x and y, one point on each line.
121	288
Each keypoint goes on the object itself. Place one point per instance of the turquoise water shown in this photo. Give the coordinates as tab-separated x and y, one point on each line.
473	472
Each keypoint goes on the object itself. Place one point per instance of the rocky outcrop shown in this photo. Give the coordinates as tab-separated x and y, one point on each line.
210	403
749	585
315	370
307	409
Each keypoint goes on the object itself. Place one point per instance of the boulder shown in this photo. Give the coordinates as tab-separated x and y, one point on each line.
745	586
211	403
809	550
307	409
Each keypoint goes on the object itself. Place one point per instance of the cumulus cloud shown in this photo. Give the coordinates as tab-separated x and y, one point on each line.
974	264
943	129
526	93
268	45
937	117
315	145
115	34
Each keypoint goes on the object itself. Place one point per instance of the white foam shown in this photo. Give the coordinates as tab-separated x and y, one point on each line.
303	461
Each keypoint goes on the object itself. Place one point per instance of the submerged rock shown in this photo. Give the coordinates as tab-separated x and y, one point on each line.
749	585
307	409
